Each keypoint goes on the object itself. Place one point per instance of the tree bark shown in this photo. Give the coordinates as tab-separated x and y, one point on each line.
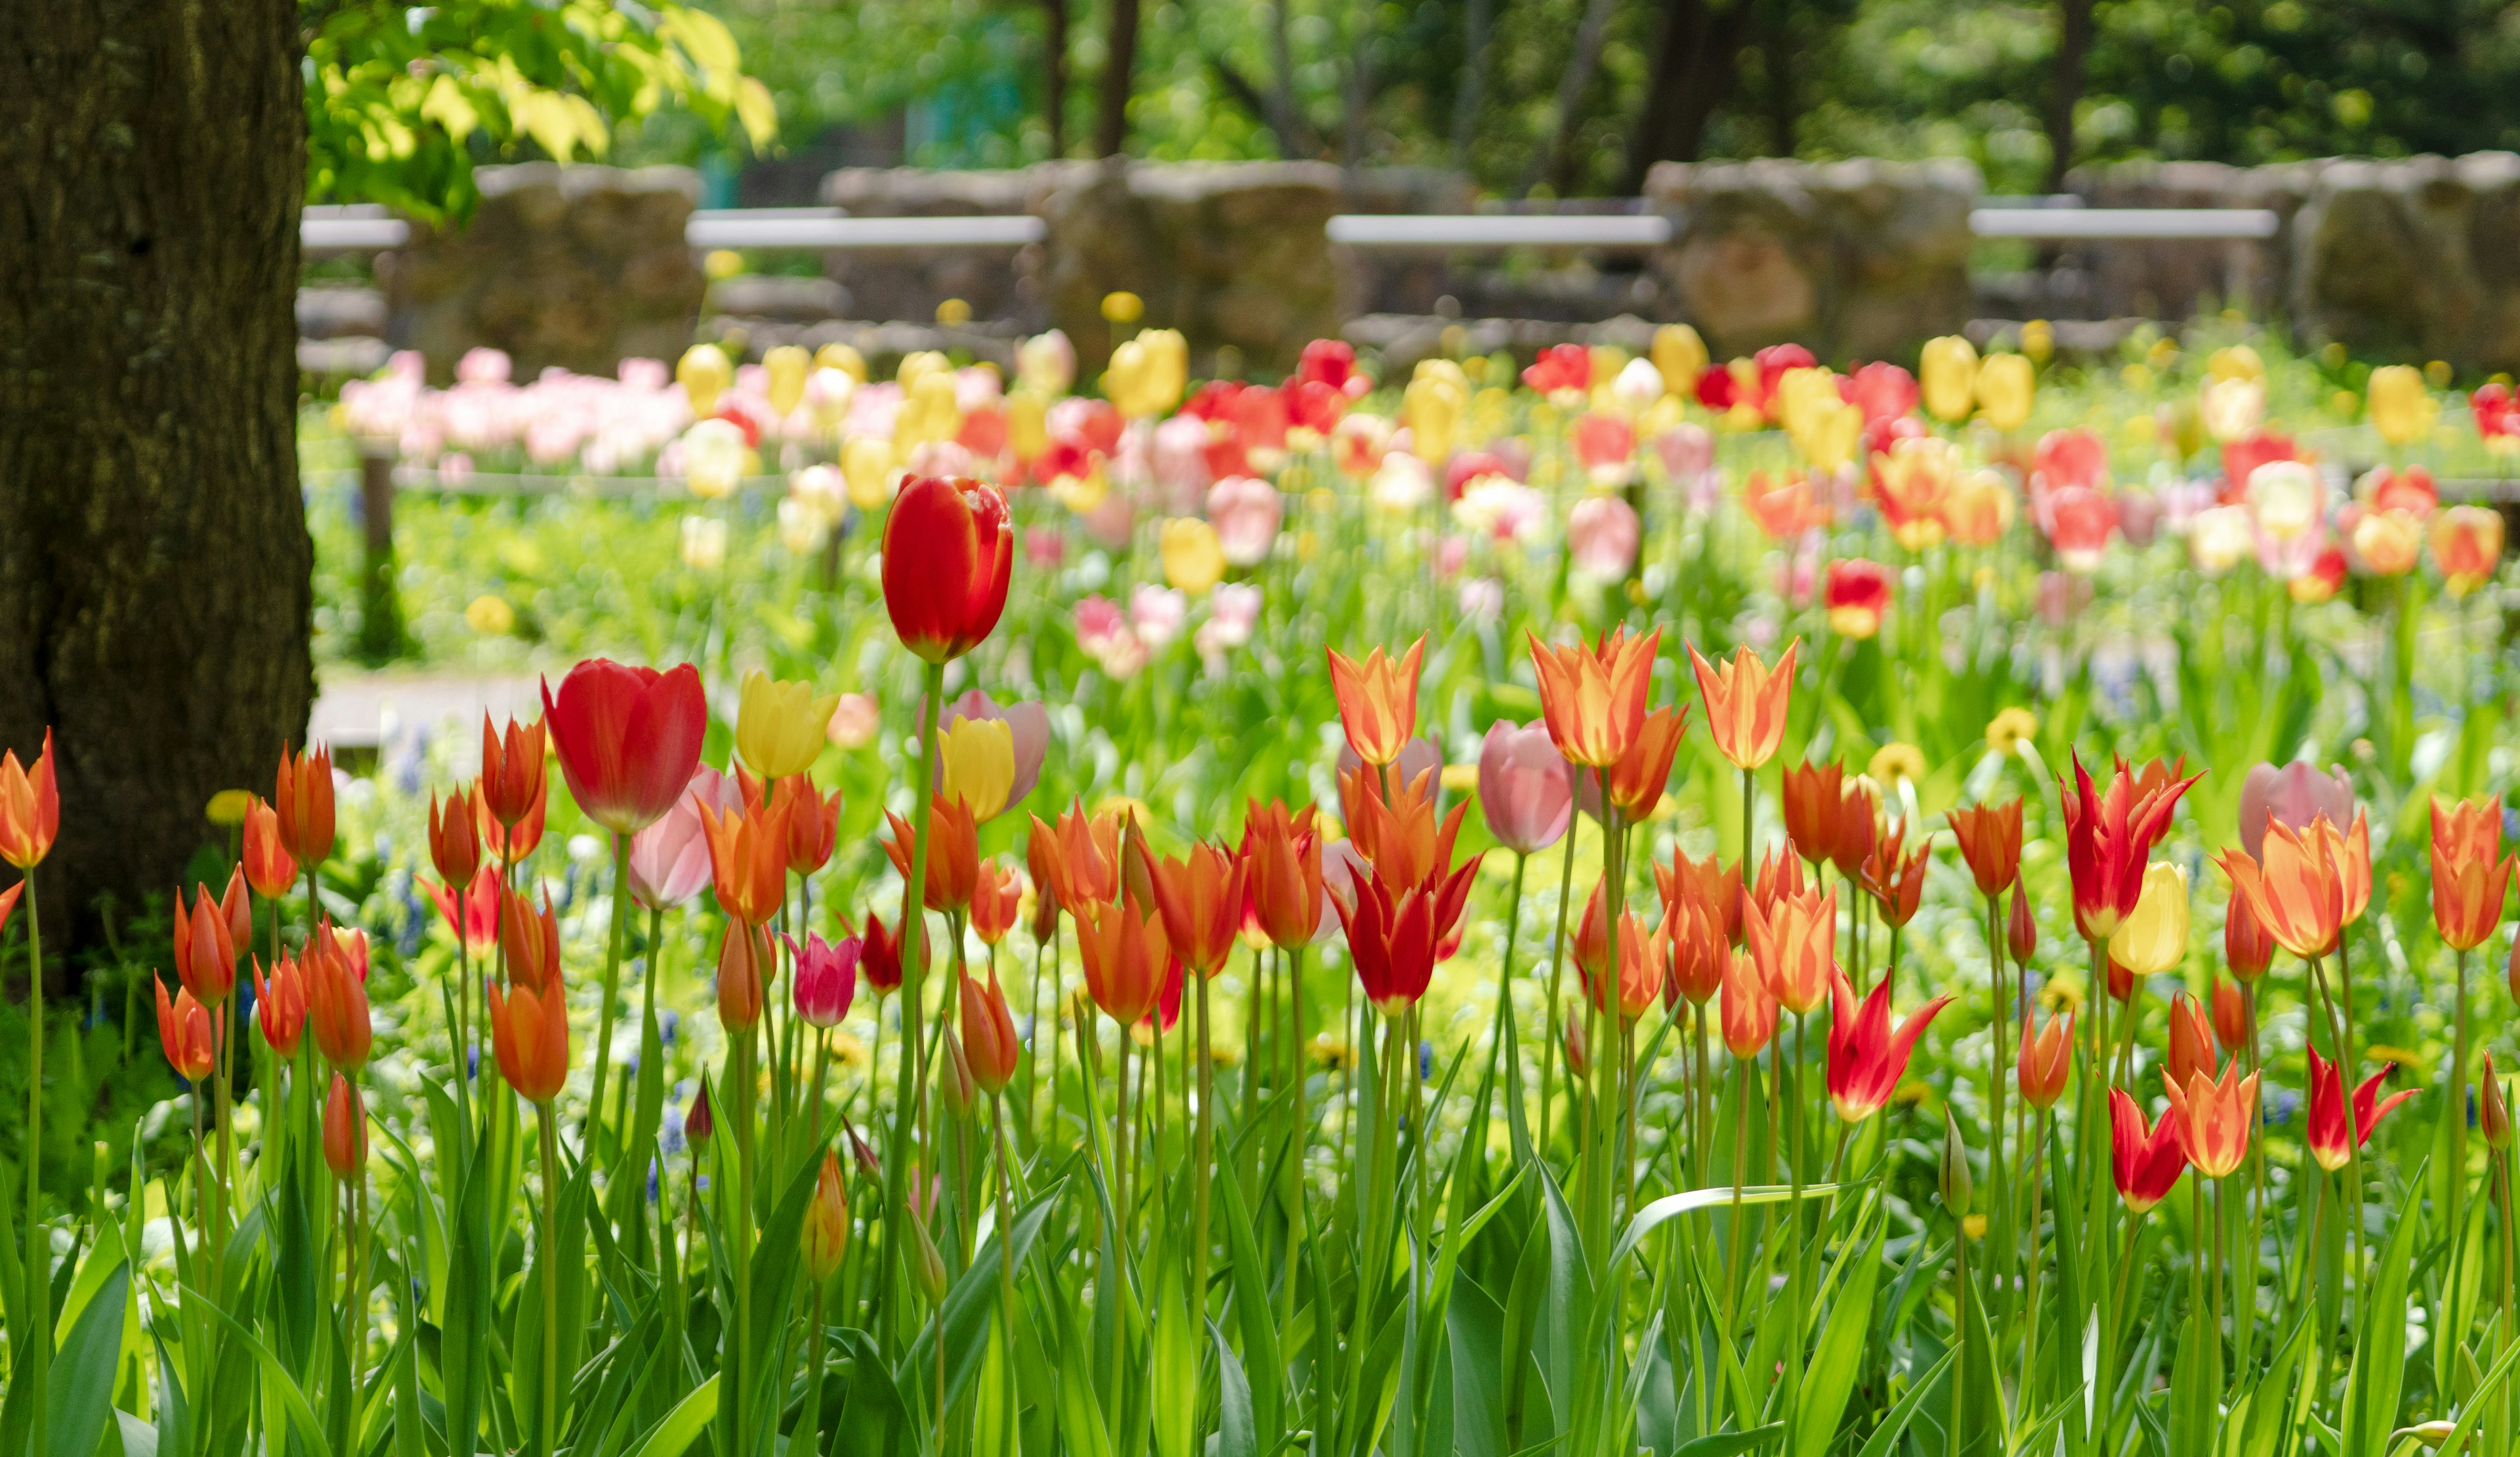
2074	31
1054	78
1557	163
1111	127
156	572
1697	64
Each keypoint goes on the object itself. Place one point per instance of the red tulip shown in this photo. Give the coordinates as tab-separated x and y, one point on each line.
1865	1058
2326	1128
475	920
628	738
345	1130
2145	1162
880	956
989	1042
2108	836
948	556
510	787
2021	928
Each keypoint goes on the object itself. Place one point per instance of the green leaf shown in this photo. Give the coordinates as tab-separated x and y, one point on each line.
2373	1384
689	1417
1732	1443
1237	1436
1893	1426
1266	1370
81	1383
1839	1360
276	1380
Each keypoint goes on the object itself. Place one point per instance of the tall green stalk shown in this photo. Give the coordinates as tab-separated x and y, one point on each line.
36	1271
611	991
910	1096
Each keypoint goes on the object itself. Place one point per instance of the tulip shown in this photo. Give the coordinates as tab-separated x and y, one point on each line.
1947	377
1594	698
1281	871
1700	955
2232	408
1795	945
2154	937
1779	879
1124	952
2021	928
345	1130
1603	534
184	1031
1749	1014
2191	1042
948	556
1990	840
454	840
1432	405
205	944
2005	384
1245	513
2387	542
880	956
749	859
2401	409
1645	970
2294	795
1912	481
1865	1057
278	1004
812	824
1027	730
704	373
826	978
996	896
512	775
529	1034
628	738
826	1234
1400	835
2144	1161
337	1005
1192	553
2326	1128
2302	891
1200	898
1591	948
1077	860
1579	1063
31	808
2107	837
780	727
2213	1118
1745	702
977	762
1377	701
531	938
1638	779
669	860
2047	1062
1526	790
1395	935
1812	796
268	864
1679	355
1895	882
952	857
1858	597
2467	547
989	1042
2494	1116
1710	886
2471	878
302	801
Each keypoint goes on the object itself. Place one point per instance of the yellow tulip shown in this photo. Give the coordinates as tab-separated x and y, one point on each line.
1432	405
929	411
2235	362
918	363
842	357
1193	557
1947	377
2154	938
1800	391
2005	385
1680	357
867	462
977	758
786	366
1148	374
2401	408
779	726
1829	434
703	373
1027	424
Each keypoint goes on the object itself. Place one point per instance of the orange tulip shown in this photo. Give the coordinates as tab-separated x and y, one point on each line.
1745	702
1200	898
2299	893
1282	874
1712	885
1897	884
1795	945
1377	701
826	1235
336	1003
749	859
1594	698
2047	1062
530	1033
2247	946
184	1031
2471	876
1638	779
302	801
2191	1042
1780	876
509	845
813	825
31	808
953	859
280	1004
989	1042
1989	841
1699	954
1579	1065
746	963
531	937
1810	799
1077	860
1124	953
512	772
1398	835
1749	1013
2231	1016
206	941
454	840
345	1130
2021	928
268	866
995	896
1858	829
2214	1118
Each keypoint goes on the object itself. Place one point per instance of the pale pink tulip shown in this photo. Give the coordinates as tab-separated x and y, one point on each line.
2292	796
1526	790
1245	512
1602	533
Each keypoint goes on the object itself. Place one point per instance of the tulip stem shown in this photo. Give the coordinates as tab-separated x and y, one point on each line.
2341	1040
37	1270
1198	1170
1498	1039
1005	1268
911	1096
1999	1057
2459	1094
1556	972
548	1258
612	986
2030	1296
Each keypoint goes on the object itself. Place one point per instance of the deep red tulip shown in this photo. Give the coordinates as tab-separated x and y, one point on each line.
628	738
948	556
2328	1142
880	956
2020	927
1865	1057
2108	836
2146	1161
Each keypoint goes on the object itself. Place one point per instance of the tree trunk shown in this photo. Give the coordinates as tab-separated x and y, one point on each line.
156	572
2074	29
1697	64
1054	79
1557	163
1111	127
1465	101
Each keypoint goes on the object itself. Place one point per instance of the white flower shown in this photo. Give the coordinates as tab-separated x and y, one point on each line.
713	452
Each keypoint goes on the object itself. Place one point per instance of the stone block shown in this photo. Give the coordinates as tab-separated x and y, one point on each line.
2412	259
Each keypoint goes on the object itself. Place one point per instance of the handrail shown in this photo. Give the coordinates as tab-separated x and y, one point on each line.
1501	230
2165	224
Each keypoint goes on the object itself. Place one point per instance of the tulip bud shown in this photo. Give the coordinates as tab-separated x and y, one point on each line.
953	1079
826	1236
699	1124
2248	948
2231	1016
345	1130
1578	1067
2513	973
869	1165
1956	1187
2022	929
2493	1117
927	1266
740	960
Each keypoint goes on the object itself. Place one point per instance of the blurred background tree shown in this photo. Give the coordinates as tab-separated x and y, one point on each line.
1560	97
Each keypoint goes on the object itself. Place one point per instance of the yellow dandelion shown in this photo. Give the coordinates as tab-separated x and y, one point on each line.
490	616
228	806
2009	728
1896	762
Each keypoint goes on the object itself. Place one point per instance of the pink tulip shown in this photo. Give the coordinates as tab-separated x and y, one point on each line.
1525	789
1245	513
1882	391
2081	519
827	977
1179	462
1687	451
2292	796
669	860
1604	443
1602	533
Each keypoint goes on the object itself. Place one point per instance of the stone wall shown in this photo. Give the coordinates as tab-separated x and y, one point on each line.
578	266
1856	259
2176	278
2416	259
